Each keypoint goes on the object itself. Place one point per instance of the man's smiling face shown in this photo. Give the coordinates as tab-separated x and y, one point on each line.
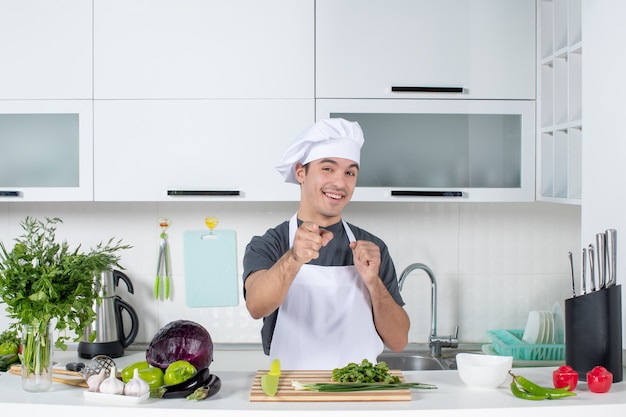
327	186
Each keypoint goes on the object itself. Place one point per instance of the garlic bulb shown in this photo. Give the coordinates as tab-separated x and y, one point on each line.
94	381
112	385
136	387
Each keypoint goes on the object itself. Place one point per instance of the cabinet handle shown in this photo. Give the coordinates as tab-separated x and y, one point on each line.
10	193
212	193
399	193
405	89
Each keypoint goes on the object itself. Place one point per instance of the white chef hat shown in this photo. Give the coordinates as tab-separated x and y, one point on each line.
328	138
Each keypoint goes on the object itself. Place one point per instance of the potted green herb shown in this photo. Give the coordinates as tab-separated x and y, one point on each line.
46	285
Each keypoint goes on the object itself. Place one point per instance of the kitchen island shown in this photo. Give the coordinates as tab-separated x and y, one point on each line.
451	398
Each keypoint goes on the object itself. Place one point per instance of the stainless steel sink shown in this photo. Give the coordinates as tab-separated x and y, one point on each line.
421	360
413	361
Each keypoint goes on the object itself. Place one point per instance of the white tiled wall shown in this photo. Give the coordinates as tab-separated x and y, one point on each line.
493	261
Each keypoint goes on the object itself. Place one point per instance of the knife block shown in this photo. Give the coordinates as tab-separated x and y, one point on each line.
593	332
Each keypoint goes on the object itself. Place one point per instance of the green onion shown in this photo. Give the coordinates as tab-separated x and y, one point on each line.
358	386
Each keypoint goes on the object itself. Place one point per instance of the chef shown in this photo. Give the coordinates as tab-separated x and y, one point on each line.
327	290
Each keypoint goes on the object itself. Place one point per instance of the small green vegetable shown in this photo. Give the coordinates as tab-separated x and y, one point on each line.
525	389
178	371
129	371
365	372
153	376
524	395
9	342
8	347
7	360
358	386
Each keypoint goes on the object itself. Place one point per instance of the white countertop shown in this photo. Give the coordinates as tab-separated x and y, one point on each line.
451	398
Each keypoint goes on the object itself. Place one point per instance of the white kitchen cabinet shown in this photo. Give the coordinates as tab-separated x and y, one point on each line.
195	150
46	150
189	49
367	49
442	150
45	49
559	101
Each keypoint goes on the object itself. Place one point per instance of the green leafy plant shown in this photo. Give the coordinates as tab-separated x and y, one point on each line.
43	281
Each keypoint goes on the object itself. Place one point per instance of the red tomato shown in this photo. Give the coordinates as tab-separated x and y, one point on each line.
565	376
599	379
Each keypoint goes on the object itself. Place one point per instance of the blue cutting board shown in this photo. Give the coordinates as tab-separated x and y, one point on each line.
211	268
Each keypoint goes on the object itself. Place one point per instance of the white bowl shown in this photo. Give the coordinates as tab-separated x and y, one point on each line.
483	371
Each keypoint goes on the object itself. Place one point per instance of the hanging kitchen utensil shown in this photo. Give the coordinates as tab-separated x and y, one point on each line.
163	265
211	266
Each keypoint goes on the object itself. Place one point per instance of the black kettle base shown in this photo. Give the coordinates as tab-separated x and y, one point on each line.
89	350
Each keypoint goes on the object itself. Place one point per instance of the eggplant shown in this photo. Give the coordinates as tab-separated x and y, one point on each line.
184	388
209	389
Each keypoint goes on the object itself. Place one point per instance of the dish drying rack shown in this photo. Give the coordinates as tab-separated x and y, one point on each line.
510	343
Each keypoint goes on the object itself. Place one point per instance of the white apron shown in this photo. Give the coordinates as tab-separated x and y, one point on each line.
326	320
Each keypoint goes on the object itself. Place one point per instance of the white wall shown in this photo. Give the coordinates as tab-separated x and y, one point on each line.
494	262
604	113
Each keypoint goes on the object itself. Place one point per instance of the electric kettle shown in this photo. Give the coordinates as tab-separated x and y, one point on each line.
108	327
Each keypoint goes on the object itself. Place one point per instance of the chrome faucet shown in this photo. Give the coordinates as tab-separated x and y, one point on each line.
435	342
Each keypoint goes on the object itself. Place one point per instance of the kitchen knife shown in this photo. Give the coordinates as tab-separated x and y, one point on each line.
601	254
583	275
571	272
611	257
592	269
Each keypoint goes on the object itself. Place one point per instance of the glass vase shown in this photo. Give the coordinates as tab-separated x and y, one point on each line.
37	357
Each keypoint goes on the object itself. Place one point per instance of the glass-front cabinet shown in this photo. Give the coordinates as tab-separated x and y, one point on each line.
442	150
46	150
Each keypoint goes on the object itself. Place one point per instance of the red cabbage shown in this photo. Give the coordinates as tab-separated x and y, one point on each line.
180	340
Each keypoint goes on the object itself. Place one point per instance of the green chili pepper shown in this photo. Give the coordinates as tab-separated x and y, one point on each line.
524	395
523	388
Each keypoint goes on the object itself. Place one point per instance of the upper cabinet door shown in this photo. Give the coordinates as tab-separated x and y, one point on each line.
203	49
483	47
45	49
195	150
46	150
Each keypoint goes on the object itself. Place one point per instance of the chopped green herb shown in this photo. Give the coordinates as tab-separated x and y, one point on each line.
365	372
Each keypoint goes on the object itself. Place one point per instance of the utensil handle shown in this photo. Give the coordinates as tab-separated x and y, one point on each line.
571	272
611	255
601	253
592	269
583	274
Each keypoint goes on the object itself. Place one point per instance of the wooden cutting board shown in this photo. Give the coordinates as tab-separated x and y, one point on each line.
63	379
288	393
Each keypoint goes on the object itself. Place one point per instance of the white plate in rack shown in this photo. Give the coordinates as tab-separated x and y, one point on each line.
559	323
534	328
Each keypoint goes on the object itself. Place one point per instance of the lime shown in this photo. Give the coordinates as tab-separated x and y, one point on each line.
275	367
269	384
